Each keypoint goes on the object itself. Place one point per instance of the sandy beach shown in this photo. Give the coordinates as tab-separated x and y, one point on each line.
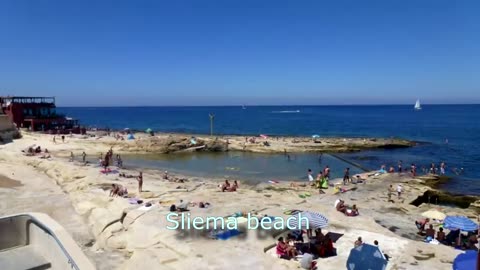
116	234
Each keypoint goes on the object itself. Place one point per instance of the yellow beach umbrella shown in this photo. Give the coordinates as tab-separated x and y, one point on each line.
434	214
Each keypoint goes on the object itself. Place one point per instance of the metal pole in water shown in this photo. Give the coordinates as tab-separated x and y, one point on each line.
212	116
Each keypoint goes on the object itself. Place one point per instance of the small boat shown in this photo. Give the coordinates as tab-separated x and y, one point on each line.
417	106
243	107
36	241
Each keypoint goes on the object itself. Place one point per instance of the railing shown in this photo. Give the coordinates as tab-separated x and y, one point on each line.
33	219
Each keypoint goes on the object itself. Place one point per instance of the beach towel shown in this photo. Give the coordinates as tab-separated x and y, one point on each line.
269	218
134	201
106	171
334	236
227	234
292	212
304	195
237	214
273	181
145	208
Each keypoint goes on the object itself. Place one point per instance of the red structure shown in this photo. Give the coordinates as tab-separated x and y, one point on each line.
37	114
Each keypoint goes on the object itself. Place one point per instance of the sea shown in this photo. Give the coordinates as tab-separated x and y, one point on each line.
445	133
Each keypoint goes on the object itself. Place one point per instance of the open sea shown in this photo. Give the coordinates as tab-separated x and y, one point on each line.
449	133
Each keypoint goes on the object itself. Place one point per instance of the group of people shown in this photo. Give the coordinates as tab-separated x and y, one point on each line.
321	182
319	245
341	207
453	238
391	192
55	139
32	151
432	169
229	187
118	190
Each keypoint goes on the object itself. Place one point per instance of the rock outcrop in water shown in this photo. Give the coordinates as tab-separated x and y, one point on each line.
177	143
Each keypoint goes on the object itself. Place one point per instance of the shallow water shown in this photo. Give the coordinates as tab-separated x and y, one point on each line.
252	167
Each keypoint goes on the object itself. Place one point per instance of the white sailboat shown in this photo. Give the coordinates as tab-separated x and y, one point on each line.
417	105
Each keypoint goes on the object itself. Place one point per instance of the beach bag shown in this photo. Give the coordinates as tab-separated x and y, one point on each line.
173	208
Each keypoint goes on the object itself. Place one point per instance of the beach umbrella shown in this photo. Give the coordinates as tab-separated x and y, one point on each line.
315	136
366	257
466	261
460	222
148	130
313	219
434	214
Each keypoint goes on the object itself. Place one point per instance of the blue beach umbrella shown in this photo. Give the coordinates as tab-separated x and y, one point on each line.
466	261
313	219
460	222
366	257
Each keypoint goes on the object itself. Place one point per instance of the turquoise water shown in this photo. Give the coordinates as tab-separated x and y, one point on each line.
252	167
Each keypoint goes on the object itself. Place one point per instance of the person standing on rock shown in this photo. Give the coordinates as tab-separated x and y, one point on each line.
84	156
399	167
399	190
390	193
442	168
140	182
326	172
346	176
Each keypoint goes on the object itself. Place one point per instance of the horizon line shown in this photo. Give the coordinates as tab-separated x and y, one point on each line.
260	105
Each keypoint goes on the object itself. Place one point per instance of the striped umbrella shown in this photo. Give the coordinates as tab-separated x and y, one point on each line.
460	222
307	220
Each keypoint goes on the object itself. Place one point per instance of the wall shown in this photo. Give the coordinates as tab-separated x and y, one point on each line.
7	129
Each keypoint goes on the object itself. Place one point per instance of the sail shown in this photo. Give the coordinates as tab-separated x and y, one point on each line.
417	105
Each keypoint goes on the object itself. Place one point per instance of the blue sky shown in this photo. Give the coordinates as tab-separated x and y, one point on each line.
233	52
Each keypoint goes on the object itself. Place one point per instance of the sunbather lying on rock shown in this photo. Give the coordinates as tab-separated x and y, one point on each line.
233	187
352	212
118	190
126	175
225	185
340	206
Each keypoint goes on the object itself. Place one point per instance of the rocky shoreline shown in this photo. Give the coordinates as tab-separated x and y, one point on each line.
140	239
167	143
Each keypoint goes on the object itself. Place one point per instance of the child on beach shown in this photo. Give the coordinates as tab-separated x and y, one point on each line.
140	182
399	190
390	192
309	175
